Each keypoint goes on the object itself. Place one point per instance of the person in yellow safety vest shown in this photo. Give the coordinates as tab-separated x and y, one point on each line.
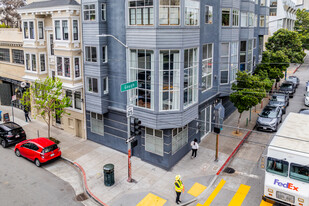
179	187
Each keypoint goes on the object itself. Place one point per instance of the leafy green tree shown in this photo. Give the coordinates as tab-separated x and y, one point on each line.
248	92
288	42
47	99
8	11
302	27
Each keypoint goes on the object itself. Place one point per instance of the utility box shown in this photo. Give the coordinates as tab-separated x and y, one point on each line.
108	171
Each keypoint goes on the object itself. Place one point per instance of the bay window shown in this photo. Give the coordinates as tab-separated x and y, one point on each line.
18	56
42	63
31	29
57	30
190	76
67	72
63	67
244	19
169	12
28	65
75	30
192	8
142	71
68	94
224	63
141	12
41	29
61	29
77	67
26	30
65	30
28	27
154	141
207	67
234	60
33	62
92	85
169	80
59	66
251	19
76	96
235	18
91	54
30	62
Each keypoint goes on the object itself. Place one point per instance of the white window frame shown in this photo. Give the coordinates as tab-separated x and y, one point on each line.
96	119
30	60
95	12
230	14
228	63
235	15
246	18
169	6
264	21
34	30
61	30
106	55
87	85
154	137
63	69
97	59
184	135
103	12
105	85
43	32
19	56
73	105
197	15
80	74
211	18
234	65
42	72
212	66
78	30
151	19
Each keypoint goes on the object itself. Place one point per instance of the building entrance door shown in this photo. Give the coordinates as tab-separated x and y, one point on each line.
78	128
205	122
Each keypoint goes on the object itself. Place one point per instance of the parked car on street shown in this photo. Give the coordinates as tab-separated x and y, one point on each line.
304	111
279	100
11	133
39	150
294	79
269	118
306	98
287	87
307	86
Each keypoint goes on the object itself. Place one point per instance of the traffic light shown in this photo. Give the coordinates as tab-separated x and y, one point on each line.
137	128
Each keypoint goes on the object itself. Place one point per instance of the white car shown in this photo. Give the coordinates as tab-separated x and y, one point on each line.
306	98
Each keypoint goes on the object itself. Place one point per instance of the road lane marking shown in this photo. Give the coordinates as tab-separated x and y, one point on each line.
213	194
152	200
263	203
240	195
196	189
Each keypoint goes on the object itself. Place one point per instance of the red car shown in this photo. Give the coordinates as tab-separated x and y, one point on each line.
38	150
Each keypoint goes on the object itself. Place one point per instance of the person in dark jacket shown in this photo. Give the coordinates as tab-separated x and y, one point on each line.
26	110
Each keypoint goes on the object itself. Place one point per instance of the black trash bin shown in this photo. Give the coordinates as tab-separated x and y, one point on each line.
108	170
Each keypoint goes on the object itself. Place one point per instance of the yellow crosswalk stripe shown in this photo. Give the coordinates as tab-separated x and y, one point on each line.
263	203
213	194
152	200
240	195
196	189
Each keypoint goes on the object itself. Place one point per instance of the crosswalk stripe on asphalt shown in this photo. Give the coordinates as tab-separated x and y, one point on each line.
240	195
213	194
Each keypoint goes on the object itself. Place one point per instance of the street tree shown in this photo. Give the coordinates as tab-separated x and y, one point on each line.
248	92
288	42
47	99
302	27
8	10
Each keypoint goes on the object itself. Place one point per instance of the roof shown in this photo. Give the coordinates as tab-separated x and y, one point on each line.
293	134
53	3
44	142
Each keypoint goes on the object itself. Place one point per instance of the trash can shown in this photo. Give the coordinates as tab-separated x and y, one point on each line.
108	170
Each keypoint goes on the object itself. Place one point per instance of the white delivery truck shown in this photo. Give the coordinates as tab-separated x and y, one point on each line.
287	163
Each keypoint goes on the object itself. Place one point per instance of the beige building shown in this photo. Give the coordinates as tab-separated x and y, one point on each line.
52	42
11	66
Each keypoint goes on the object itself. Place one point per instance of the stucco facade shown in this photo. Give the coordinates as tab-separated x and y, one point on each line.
184	55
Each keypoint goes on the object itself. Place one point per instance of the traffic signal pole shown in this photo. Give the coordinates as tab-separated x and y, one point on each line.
129	150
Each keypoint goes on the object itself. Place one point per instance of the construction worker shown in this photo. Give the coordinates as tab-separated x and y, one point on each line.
179	187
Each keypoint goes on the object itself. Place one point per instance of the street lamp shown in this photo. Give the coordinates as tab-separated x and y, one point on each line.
128	117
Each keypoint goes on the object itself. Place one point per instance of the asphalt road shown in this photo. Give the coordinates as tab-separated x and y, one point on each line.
247	161
23	184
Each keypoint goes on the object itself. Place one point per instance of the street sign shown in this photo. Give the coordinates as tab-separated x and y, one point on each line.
128	86
130	139
129	111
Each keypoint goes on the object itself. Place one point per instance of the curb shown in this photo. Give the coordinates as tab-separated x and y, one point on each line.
90	194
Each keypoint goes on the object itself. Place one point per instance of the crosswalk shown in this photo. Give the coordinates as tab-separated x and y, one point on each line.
234	199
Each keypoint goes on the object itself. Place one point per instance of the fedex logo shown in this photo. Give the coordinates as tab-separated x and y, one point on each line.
285	185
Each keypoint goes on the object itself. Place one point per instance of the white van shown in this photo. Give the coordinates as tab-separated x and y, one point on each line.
287	165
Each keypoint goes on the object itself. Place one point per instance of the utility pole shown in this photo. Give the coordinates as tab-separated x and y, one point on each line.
219	116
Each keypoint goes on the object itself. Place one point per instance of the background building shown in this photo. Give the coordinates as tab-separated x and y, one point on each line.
184	55
52	45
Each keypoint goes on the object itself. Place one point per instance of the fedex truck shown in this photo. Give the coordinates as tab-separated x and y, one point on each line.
287	163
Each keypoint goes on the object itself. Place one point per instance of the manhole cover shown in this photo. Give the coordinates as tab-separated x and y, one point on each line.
229	170
81	197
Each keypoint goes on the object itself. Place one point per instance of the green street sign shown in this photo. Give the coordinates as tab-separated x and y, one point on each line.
128	86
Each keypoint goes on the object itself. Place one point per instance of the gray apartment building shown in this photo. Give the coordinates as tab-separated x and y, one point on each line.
184	55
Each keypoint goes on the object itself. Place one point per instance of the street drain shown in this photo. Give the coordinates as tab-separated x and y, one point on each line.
229	170
81	197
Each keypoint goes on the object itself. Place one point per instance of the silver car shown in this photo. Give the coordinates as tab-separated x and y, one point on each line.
269	119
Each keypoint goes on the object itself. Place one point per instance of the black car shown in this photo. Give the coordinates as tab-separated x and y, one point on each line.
11	133
287	87
304	111
279	100
294	79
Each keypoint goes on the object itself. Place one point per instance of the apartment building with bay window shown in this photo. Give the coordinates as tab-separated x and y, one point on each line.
184	54
52	44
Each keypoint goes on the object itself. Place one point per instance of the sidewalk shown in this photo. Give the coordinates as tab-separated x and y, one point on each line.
149	179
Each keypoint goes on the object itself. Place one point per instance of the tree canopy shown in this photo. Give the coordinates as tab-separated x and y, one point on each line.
46	96
289	43
8	10
302	27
